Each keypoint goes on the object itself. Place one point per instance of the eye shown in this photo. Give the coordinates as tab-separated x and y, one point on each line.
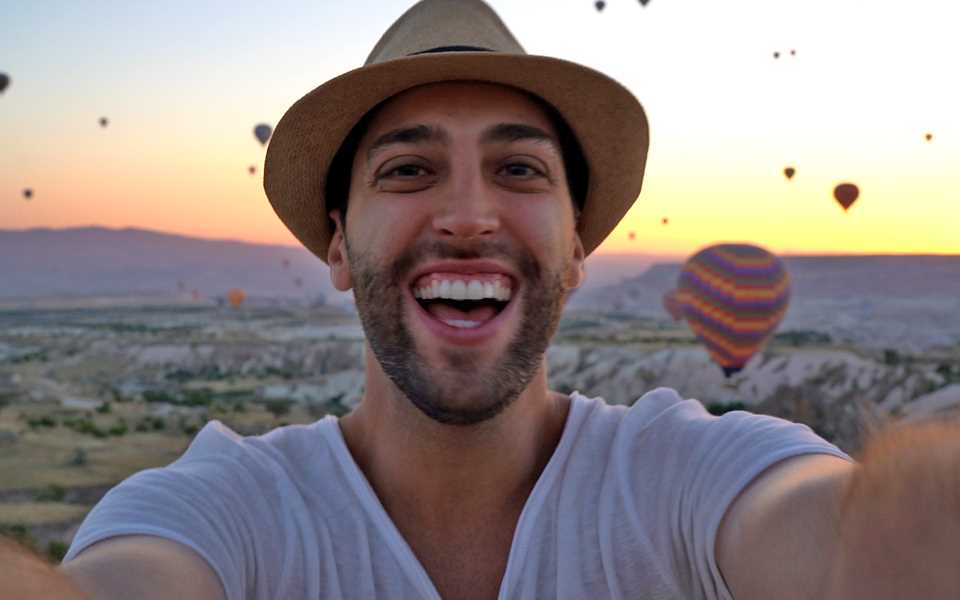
408	171
520	171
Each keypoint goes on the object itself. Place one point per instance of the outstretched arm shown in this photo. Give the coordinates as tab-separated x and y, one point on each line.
816	527
25	576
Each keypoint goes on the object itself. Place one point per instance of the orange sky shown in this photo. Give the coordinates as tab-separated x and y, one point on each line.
726	117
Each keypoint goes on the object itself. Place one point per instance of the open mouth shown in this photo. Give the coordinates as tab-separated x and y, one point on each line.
463	301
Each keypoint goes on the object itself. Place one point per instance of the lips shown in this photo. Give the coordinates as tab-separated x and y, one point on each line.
463	303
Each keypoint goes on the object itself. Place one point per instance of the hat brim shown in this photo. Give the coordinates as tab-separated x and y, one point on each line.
606	118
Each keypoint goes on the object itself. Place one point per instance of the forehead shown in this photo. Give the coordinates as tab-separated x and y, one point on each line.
464	105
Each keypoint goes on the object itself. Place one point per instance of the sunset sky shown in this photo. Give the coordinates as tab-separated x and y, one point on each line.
184	82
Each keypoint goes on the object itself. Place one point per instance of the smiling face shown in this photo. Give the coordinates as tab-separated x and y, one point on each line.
460	245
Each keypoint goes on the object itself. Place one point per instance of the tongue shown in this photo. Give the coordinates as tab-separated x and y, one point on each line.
445	312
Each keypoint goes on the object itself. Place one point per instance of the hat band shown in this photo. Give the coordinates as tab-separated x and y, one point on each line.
453	49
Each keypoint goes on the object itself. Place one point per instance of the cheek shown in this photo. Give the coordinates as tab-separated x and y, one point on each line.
543	226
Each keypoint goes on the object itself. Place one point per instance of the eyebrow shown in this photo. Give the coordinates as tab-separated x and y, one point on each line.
424	134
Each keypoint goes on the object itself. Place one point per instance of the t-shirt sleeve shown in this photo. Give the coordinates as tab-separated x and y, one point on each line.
209	500
693	465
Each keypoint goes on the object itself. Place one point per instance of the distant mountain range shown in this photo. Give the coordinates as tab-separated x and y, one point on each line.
97	261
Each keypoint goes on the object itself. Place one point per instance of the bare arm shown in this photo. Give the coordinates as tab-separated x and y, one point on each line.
143	567
816	527
24	576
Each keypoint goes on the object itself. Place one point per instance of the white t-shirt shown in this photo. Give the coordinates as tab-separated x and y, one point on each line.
627	507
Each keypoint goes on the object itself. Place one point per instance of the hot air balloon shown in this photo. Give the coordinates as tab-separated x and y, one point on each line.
600	4
776	55
252	170
793	53
789	172
846	194
4	82
286	263
664	221
263	132
733	297
104	122
929	137
632	236
28	193
644	2
235	297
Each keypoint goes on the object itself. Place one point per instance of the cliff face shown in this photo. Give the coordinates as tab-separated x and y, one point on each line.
835	391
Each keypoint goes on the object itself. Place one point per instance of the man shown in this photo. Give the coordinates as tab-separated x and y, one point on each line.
465	183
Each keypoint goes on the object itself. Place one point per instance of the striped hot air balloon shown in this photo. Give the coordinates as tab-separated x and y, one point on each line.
733	297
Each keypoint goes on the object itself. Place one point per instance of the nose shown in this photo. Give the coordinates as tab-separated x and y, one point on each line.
469	209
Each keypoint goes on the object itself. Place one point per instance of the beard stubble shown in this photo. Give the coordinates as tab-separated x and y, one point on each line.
461	392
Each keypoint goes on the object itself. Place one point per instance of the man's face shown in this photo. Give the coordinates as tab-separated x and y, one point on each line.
460	245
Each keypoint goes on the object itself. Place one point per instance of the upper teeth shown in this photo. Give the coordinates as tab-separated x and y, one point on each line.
458	289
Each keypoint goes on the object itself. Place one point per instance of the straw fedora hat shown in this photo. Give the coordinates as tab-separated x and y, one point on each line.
457	40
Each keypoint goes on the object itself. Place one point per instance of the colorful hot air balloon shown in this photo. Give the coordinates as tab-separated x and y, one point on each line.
664	221
263	132
28	193
600	4
789	172
235	297
733	297
632	236
929	137
104	121
252	170
846	194
4	82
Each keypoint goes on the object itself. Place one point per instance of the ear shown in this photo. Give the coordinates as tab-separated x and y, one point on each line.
576	272
337	256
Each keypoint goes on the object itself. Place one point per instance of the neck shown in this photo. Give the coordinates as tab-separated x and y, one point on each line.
441	476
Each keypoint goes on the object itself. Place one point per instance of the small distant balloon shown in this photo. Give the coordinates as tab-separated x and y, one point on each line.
846	194
252	170
929	137
793	53
286	263
4	82
632	236
644	2
776	55
263	132
789	172
28	193
298	281
104	121
600	4
195	295
664	221
235	297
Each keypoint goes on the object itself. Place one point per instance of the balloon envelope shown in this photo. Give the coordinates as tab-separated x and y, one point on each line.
846	194
263	132
4	81
28	193
929	136
104	122
252	170
733	297
789	172
235	297
600	4
632	236
664	221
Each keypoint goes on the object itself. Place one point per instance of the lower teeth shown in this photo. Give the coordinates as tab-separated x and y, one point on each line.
462	324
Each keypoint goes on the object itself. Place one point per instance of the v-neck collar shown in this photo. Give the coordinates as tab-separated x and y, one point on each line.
395	540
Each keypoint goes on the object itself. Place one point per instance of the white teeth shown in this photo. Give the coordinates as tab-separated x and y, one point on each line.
475	290
462	324
459	289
